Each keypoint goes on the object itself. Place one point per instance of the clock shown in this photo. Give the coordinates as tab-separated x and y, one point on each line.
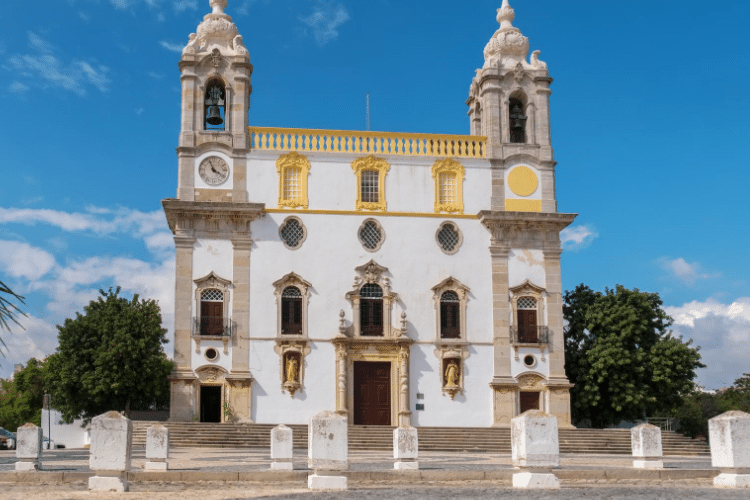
213	170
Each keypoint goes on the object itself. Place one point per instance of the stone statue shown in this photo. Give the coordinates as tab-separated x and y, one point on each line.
292	369
451	374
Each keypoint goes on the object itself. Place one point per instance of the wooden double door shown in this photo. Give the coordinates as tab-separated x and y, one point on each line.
372	393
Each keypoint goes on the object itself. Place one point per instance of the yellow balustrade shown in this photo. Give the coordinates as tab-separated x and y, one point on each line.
344	141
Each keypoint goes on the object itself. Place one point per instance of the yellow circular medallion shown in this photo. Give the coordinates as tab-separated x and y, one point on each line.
522	181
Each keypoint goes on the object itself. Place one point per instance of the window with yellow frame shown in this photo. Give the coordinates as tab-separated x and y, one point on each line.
449	179
293	170
370	172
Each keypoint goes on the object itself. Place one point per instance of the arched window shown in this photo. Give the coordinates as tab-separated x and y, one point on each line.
212	312
517	121
527	320
450	315
214	111
291	311
371	310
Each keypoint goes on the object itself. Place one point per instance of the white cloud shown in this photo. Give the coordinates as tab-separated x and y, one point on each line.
723	333
577	237
183	5
43	66
684	271
37	339
21	260
174	47
325	20
18	87
155	75
244	7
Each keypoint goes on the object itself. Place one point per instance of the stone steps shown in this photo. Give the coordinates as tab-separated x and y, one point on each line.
496	440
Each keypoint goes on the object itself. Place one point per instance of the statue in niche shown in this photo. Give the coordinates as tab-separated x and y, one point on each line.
451	374
292	369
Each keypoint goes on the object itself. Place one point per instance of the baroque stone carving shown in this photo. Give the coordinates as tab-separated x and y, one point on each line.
381	167
531	381
284	165
451	167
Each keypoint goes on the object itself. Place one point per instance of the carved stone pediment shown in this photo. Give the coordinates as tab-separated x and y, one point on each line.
531	381
211	374
371	272
526	287
211	280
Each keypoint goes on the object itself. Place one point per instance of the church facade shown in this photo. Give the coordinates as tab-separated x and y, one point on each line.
398	278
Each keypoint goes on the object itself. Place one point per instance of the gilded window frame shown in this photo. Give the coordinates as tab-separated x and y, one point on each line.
289	161
449	165
382	167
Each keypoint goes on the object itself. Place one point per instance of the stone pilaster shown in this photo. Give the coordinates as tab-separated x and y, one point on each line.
493	117
549	203
183	298
241	306
500	311
404	414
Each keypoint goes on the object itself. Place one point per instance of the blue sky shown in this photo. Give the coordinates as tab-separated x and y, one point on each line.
649	120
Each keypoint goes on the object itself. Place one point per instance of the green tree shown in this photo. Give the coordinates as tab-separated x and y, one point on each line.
8	310
21	396
623	358
110	358
699	407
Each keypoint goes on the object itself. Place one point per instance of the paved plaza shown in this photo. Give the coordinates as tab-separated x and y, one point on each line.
229	474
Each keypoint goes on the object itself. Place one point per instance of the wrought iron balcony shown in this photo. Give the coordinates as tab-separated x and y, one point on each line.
526	335
213	326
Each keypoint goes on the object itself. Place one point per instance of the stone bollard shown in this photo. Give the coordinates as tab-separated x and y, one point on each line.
111	442
645	441
729	437
405	448
28	447
535	450
328	450
157	448
282	448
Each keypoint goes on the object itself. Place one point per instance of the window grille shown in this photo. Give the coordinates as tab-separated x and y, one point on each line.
212	295
450	319
369	183
292	232
448	238
527	303
448	191
291	311
371	291
291	292
449	296
371	310
292	184
371	235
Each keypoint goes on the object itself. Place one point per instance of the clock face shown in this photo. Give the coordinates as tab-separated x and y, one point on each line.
213	170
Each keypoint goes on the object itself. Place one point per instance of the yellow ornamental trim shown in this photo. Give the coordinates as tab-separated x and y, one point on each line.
293	170
449	186
370	164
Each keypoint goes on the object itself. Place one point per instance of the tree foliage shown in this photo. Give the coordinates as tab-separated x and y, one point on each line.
623	358
21	396
699	407
110	358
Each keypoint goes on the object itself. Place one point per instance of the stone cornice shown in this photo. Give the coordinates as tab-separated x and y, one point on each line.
210	218
531	229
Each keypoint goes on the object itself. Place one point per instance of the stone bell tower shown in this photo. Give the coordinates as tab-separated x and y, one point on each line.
216	90
509	104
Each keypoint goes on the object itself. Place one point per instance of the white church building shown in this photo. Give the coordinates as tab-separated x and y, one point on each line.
397	278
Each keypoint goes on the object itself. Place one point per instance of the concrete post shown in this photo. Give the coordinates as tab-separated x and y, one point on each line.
536	450
405	448
111	443
28	447
729	436
282	448
157	448
645	441
328	451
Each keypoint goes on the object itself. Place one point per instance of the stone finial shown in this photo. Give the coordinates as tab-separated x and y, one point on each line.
645	442
282	448
218	6
328	451
729	437
536	450
28	447
508	46
505	16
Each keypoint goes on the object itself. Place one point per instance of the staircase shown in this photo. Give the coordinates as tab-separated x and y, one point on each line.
456	439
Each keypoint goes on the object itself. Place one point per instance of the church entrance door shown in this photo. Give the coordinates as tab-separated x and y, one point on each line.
529	401
372	393
210	403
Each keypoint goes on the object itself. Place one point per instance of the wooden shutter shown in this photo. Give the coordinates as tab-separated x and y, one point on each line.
450	320
291	316
527	331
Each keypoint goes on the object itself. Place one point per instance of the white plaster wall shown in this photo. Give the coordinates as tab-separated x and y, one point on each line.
70	435
332	184
331	252
536	195
270	406
212	255
473	408
525	265
518	367
199	359
227	184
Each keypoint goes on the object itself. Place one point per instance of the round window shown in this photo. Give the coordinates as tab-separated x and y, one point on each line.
529	360
293	233
448	237
371	235
212	354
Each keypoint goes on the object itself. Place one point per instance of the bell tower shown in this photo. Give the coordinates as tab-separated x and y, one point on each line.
216	88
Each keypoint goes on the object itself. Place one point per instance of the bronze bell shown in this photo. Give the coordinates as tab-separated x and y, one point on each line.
214	116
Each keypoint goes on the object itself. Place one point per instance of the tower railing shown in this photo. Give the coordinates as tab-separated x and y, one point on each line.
360	142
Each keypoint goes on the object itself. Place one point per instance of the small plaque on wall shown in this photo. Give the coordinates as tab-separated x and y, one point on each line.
420	406
420	395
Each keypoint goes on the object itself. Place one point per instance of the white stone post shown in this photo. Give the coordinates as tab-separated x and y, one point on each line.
328	450
282	448
405	448
157	448
111	442
729	437
28	447
536	450
645	441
